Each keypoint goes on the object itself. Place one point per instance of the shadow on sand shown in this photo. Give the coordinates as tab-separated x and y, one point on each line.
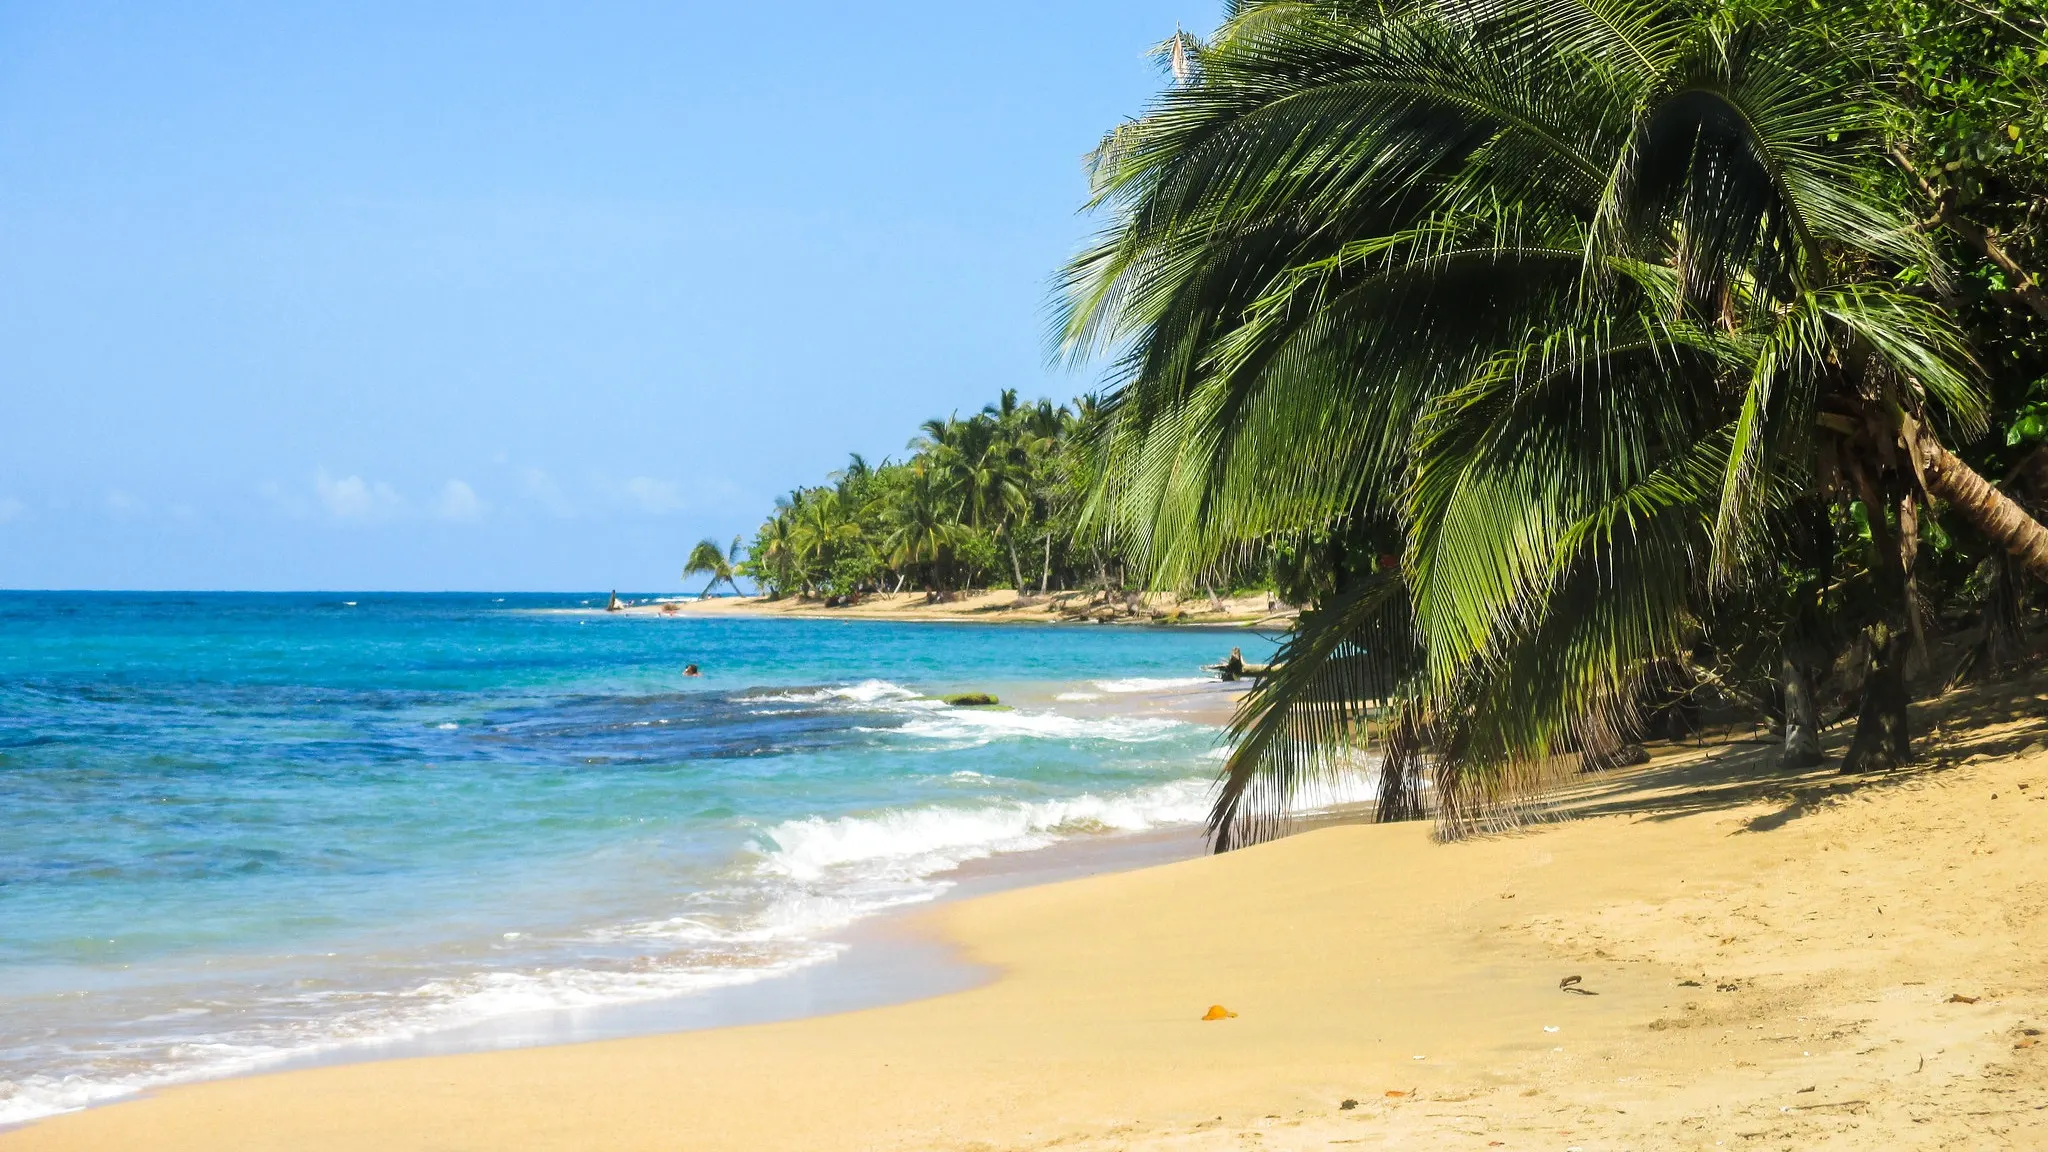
1986	721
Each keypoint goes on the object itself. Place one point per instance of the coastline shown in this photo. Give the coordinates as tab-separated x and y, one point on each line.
1800	958
892	957
563	837
998	606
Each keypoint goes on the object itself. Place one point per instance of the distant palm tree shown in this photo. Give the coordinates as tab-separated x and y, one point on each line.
825	524
983	466
707	560
922	529
773	561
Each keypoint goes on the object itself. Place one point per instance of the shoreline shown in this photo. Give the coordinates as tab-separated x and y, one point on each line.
998	606
897	955
891	957
1796	958
885	956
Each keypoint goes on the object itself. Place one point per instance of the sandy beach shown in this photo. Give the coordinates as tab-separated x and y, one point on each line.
998	606
1762	960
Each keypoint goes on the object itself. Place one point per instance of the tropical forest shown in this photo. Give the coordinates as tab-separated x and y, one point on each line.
992	499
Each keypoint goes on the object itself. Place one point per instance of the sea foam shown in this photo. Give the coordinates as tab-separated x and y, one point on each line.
1153	683
910	845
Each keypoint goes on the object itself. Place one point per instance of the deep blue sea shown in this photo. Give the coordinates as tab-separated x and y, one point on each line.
239	828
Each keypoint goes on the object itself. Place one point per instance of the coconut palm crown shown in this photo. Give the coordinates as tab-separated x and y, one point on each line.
1560	310
706	559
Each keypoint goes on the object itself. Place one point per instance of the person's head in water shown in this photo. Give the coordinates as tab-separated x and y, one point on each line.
691	670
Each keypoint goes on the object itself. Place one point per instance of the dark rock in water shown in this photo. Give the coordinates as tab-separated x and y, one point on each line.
972	700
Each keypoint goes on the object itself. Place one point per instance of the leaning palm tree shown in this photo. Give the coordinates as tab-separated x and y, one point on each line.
1556	301
707	560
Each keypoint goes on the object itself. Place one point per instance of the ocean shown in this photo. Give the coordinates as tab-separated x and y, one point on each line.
243	829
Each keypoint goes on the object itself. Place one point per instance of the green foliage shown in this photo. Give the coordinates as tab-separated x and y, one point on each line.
991	499
706	559
1963	88
1543	344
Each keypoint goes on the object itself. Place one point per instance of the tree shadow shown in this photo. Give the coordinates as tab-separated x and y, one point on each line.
1981	722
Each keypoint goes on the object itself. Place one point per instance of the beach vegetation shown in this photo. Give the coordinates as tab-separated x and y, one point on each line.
708	559
992	499
1580	364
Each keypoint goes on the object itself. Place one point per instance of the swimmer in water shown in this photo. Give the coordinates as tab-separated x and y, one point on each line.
691	670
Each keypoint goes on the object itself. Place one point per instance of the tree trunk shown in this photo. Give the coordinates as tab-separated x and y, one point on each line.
1016	569
1802	730
1399	796
1882	741
1045	577
1987	509
1919	655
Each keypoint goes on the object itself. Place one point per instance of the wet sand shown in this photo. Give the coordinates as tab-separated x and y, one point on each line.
1776	960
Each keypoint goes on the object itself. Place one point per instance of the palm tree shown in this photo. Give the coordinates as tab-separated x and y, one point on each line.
824	525
1553	304
1020	438
978	464
706	560
772	561
921	528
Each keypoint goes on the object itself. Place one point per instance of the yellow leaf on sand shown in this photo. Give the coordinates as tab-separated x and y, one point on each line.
1218	1012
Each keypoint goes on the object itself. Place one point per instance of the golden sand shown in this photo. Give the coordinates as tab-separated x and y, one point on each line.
1001	606
1762	961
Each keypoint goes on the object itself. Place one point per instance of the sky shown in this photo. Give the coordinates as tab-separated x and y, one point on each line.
515	296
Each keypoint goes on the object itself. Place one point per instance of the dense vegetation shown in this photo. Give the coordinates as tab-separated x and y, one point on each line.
1584	364
992	500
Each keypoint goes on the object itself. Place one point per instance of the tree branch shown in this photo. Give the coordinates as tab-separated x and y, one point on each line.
1983	239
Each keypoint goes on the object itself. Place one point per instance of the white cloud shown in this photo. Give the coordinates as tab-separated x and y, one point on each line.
655	496
353	498
11	509
459	502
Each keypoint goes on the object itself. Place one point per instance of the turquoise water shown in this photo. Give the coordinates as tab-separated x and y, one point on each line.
242	828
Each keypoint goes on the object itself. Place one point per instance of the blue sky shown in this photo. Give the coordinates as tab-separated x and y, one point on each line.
513	296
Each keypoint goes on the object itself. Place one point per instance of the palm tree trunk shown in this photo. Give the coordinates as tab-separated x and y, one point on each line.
1802	730
1016	569
1920	657
1045	578
1883	740
1987	509
1400	798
